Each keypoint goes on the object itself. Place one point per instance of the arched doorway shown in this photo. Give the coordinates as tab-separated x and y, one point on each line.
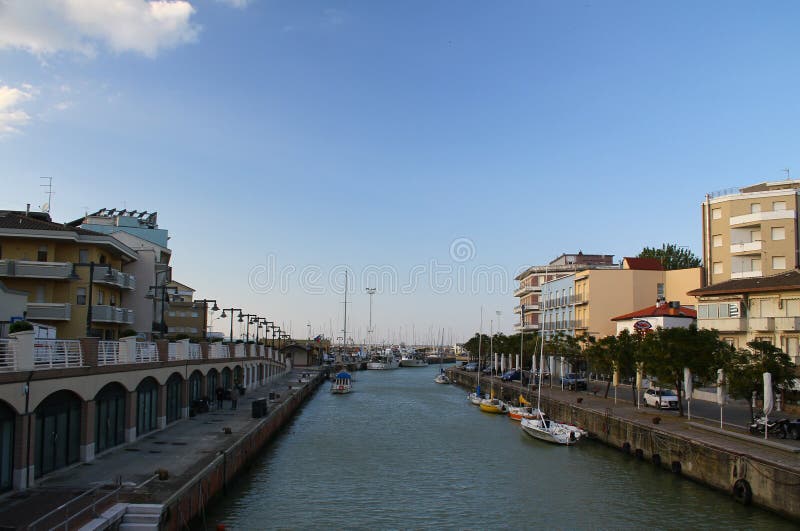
195	386
238	375
212	382
174	402
58	432
109	425
227	379
7	419
146	406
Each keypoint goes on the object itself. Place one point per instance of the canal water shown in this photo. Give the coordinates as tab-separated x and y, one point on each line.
404	452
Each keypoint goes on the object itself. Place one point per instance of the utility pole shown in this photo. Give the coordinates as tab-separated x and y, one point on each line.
371	292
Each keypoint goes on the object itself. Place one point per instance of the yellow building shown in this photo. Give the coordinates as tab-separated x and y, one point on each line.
751	232
182	315
52	263
749	309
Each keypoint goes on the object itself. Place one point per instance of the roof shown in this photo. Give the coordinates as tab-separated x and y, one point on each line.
17	220
663	310
646	264
789	280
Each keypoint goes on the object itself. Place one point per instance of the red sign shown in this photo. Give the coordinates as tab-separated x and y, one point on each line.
642	326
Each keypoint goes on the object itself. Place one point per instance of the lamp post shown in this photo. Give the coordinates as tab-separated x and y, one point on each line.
371	292
74	276
163	289
250	317
224	315
214	308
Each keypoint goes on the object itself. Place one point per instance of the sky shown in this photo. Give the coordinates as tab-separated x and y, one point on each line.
433	149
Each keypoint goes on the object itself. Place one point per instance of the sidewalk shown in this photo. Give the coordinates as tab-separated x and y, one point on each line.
181	449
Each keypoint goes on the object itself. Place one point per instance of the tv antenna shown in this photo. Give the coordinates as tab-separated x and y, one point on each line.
787	173
49	192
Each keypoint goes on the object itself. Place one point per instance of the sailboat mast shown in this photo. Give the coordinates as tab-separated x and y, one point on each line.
344	329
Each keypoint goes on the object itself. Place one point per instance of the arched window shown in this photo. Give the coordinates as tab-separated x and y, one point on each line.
146	406
195	386
7	419
212	382
174	402
109	425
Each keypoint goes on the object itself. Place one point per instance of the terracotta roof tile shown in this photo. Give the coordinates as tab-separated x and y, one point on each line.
663	311
14	220
779	282
647	264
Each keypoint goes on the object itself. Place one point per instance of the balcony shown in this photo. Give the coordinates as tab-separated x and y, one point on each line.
788	324
762	324
527	327
112	277
43	311
746	274
580	298
758	217
32	269
746	247
111	314
730	324
524	290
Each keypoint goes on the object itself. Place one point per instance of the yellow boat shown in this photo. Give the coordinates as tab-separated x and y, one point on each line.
493	405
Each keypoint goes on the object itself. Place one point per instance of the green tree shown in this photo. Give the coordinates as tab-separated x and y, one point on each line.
667	351
745	370
671	256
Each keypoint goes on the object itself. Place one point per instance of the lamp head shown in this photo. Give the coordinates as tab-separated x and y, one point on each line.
215	308
224	315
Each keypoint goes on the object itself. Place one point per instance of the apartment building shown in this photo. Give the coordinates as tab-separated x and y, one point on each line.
748	309
533	278
182	315
751	232
75	280
585	302
140	232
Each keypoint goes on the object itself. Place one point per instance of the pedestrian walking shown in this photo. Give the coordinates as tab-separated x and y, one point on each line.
234	396
220	392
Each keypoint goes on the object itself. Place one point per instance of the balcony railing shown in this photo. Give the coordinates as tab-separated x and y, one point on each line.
762	324
146	352
108	353
33	269
729	324
746	247
8	355
112	314
172	353
45	311
522	290
113	277
747	274
758	217
194	352
57	354
791	324
218	351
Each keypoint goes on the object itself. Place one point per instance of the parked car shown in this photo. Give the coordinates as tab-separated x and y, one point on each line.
488	370
472	366
573	381
661	398
511	375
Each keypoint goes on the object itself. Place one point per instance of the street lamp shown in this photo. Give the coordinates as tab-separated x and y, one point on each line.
163	289
109	276
250	317
214	308
371	292
224	315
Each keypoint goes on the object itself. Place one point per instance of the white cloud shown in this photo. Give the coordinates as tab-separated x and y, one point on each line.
49	26
11	116
241	4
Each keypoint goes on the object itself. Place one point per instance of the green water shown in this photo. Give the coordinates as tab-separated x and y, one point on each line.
404	452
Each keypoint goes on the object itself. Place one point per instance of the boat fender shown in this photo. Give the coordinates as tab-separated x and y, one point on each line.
656	459
676	467
742	492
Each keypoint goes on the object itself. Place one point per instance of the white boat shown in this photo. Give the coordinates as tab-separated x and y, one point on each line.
342	383
475	399
412	359
442	378
384	361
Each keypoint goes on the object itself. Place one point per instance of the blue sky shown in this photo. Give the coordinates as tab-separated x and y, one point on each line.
390	136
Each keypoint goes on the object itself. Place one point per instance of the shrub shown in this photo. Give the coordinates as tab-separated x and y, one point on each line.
19	326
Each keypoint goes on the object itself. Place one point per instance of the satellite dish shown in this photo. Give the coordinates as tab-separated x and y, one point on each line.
46	207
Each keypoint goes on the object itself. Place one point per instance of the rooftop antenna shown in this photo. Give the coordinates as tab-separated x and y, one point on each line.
49	193
787	173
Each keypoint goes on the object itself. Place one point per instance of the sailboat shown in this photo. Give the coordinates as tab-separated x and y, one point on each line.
475	398
542	428
492	404
343	381
524	410
441	378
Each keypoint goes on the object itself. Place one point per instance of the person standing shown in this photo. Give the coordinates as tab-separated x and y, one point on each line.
220	392
234	396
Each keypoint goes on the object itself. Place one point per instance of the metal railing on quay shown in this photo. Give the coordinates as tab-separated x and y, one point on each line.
8	355
57	354
193	352
65	520
218	350
108	353
146	352
172	352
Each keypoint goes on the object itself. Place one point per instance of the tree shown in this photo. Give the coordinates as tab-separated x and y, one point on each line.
746	368
668	350
672	256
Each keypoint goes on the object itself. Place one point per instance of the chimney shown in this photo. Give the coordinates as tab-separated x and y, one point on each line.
28	210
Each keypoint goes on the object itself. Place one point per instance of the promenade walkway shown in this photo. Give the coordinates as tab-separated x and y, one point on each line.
182	449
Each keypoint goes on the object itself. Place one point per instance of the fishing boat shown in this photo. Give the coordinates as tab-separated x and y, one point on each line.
542	428
383	361
442	377
412	359
342	383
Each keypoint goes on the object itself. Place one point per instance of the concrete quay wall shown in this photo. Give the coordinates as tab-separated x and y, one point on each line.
191	500
749	478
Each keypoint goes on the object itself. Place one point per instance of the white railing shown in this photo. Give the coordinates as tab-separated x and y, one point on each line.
217	350
173	352
57	354
194	352
108	353
145	352
8	355
238	350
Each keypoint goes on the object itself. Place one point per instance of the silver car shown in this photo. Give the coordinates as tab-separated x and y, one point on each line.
661	398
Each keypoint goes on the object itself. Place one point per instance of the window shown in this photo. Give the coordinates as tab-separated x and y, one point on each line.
778	262
660	290
83	256
778	233
717	239
100	296
102	259
755	208
716	213
41	256
80	299
779	205
717	268
730	341
755	235
112	300
171	313
195	314
755	264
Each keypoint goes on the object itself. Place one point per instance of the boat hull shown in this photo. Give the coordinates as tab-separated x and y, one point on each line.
493	405
413	363
552	432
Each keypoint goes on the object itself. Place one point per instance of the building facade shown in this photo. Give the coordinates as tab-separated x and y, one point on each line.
751	232
73	278
660	315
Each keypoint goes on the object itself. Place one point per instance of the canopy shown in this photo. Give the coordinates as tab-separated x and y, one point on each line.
343	376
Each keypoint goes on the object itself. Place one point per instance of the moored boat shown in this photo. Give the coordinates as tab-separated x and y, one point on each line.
342	383
494	405
551	431
412	360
